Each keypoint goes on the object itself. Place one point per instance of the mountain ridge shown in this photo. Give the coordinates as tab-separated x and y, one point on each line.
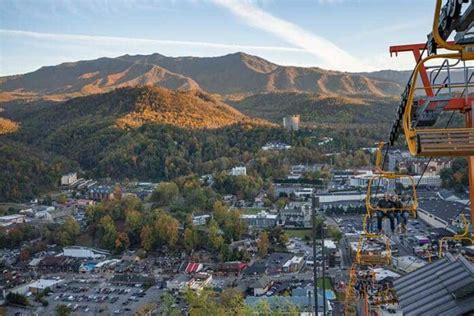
232	74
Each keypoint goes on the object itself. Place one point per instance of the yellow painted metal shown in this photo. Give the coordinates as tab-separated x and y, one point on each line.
411	208
382	257
410	132
379	157
437	37
371	209
458	237
350	302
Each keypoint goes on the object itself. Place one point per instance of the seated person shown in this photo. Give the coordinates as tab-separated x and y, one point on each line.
401	216
382	205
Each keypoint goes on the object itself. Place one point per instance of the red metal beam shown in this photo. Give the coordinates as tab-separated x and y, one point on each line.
405	48
455	104
395	49
417	50
470	169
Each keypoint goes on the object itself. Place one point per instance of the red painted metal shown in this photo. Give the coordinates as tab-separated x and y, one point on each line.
417	50
470	170
456	104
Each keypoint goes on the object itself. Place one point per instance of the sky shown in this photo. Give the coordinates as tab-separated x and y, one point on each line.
345	35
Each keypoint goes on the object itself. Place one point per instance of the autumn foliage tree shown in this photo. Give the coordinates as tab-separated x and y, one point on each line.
215	239
166	229
68	231
147	237
165	193
263	244
122	242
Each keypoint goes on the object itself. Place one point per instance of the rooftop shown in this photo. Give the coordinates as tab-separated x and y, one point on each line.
11	217
446	210
44	283
263	282
445	287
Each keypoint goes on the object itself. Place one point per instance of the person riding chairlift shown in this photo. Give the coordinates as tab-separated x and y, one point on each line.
385	203
402	217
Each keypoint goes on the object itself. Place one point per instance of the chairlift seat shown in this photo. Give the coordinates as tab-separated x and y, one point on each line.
445	142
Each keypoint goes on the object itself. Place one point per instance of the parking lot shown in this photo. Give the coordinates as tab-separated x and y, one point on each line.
97	296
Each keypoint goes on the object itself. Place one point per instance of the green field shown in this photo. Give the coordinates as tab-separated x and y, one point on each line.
251	210
301	233
327	283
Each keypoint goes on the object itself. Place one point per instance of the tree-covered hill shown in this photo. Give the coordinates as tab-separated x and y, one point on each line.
98	134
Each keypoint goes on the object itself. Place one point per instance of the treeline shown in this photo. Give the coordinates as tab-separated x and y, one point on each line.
339	210
60	234
456	176
83	133
121	224
83	130
24	172
227	302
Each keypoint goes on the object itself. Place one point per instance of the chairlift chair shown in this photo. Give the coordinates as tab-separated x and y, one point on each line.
465	236
423	104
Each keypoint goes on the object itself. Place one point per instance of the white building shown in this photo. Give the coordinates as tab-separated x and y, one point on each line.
201	219
84	252
69	178
37	286
291	122
432	181
261	286
200	281
239	171
361	179
330	244
325	140
12	219
340	196
304	192
294	264
260	220
276	146
433	168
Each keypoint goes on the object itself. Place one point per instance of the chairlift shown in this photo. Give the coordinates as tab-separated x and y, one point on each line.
447	88
465	236
403	186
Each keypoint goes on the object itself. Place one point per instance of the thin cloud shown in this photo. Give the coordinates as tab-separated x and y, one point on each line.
330	1
331	56
128	40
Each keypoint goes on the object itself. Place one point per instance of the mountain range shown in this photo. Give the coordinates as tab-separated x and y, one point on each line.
155	117
233	75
